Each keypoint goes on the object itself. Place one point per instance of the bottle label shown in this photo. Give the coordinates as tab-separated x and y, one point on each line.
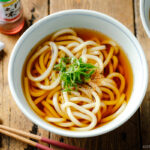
10	10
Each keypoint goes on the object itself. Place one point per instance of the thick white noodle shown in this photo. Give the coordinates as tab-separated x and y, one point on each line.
56	105
81	115
95	87
87	112
63	31
120	76
66	50
109	80
73	44
97	48
69	37
109	56
29	65
85	91
94	52
83	99
84	44
88	106
97	59
112	87
50	67
69	113
84	59
49	87
97	102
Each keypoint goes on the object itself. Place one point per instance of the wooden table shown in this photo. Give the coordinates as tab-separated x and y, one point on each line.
133	135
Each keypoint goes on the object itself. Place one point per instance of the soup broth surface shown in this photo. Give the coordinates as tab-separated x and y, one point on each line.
106	113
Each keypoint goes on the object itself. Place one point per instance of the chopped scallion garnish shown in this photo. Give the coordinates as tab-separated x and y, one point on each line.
74	71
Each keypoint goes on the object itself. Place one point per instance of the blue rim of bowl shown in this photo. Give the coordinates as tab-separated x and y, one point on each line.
87	13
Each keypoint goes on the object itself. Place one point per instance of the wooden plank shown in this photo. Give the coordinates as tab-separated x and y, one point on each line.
6	96
2	142
121	10
145	107
9	112
127	136
1	89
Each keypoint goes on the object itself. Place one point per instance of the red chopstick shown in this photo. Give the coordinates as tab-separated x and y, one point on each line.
17	134
59	144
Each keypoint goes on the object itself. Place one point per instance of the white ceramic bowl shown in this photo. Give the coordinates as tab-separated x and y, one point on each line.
144	13
85	19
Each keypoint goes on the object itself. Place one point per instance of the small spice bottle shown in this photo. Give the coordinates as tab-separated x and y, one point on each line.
11	16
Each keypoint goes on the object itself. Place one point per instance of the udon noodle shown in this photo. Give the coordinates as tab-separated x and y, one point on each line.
93	103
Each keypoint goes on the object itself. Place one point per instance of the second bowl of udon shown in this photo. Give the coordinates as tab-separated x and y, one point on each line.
78	73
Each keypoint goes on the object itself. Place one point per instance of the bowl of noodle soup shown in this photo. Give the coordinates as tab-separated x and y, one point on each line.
78	73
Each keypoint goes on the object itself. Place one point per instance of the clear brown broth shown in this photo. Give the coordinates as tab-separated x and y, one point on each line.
87	34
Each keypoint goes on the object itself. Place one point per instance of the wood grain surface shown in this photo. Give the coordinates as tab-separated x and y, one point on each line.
145	107
133	135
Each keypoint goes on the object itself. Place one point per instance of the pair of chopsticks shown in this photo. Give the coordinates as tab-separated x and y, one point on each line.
23	136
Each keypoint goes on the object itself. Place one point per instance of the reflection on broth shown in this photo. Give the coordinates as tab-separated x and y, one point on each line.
77	79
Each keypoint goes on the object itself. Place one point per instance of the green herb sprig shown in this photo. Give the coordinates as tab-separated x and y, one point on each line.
73	72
